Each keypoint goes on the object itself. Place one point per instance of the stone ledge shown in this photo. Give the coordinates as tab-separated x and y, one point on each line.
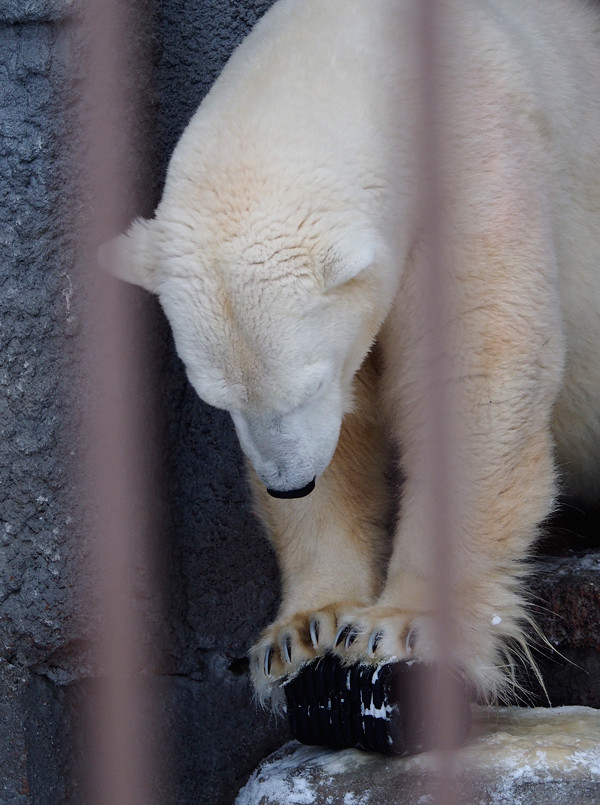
569	589
515	756
565	602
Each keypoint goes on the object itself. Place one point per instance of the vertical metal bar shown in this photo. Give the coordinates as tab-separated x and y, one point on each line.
436	296
117	477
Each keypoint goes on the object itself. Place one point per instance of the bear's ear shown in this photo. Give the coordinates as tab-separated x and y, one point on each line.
353	254
131	256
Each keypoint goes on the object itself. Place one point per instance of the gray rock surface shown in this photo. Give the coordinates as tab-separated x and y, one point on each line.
37	320
21	11
565	599
39	554
513	757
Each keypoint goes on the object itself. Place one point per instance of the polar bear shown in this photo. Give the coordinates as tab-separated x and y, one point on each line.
332	170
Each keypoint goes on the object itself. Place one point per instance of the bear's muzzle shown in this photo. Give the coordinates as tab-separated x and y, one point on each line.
293	493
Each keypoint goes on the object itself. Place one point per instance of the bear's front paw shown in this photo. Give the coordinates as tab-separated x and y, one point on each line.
289	643
479	644
377	634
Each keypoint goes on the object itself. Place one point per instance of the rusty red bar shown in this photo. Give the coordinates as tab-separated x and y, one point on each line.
440	459
118	469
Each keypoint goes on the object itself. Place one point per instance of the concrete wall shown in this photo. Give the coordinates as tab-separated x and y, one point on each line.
38	552
220	574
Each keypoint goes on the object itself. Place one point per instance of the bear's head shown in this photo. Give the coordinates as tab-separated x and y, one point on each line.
272	317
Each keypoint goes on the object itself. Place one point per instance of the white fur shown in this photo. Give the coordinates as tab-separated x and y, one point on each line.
291	237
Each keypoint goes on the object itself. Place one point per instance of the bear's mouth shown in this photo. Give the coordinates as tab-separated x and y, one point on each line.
293	493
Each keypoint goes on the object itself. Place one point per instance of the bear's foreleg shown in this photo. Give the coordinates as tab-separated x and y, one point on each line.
331	546
478	493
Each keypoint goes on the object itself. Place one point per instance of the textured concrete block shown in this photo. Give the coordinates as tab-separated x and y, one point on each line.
38	515
565	600
20	11
514	757
14	782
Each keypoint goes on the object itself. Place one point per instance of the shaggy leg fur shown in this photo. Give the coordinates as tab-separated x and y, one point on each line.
331	545
497	375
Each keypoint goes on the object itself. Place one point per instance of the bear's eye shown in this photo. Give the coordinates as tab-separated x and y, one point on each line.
311	391
317	377
315	388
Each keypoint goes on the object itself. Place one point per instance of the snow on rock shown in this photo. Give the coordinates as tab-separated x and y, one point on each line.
514	756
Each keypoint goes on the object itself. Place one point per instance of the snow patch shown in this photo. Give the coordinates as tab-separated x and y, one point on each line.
274	788
353	799
509	747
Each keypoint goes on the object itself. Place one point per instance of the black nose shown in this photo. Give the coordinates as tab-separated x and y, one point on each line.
292	493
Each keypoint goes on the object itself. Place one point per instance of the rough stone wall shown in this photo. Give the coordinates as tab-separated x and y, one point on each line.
37	550
36	297
220	575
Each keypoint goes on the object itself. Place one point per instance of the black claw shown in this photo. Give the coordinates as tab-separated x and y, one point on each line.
374	642
267	665
351	637
314	632
411	639
287	648
342	635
